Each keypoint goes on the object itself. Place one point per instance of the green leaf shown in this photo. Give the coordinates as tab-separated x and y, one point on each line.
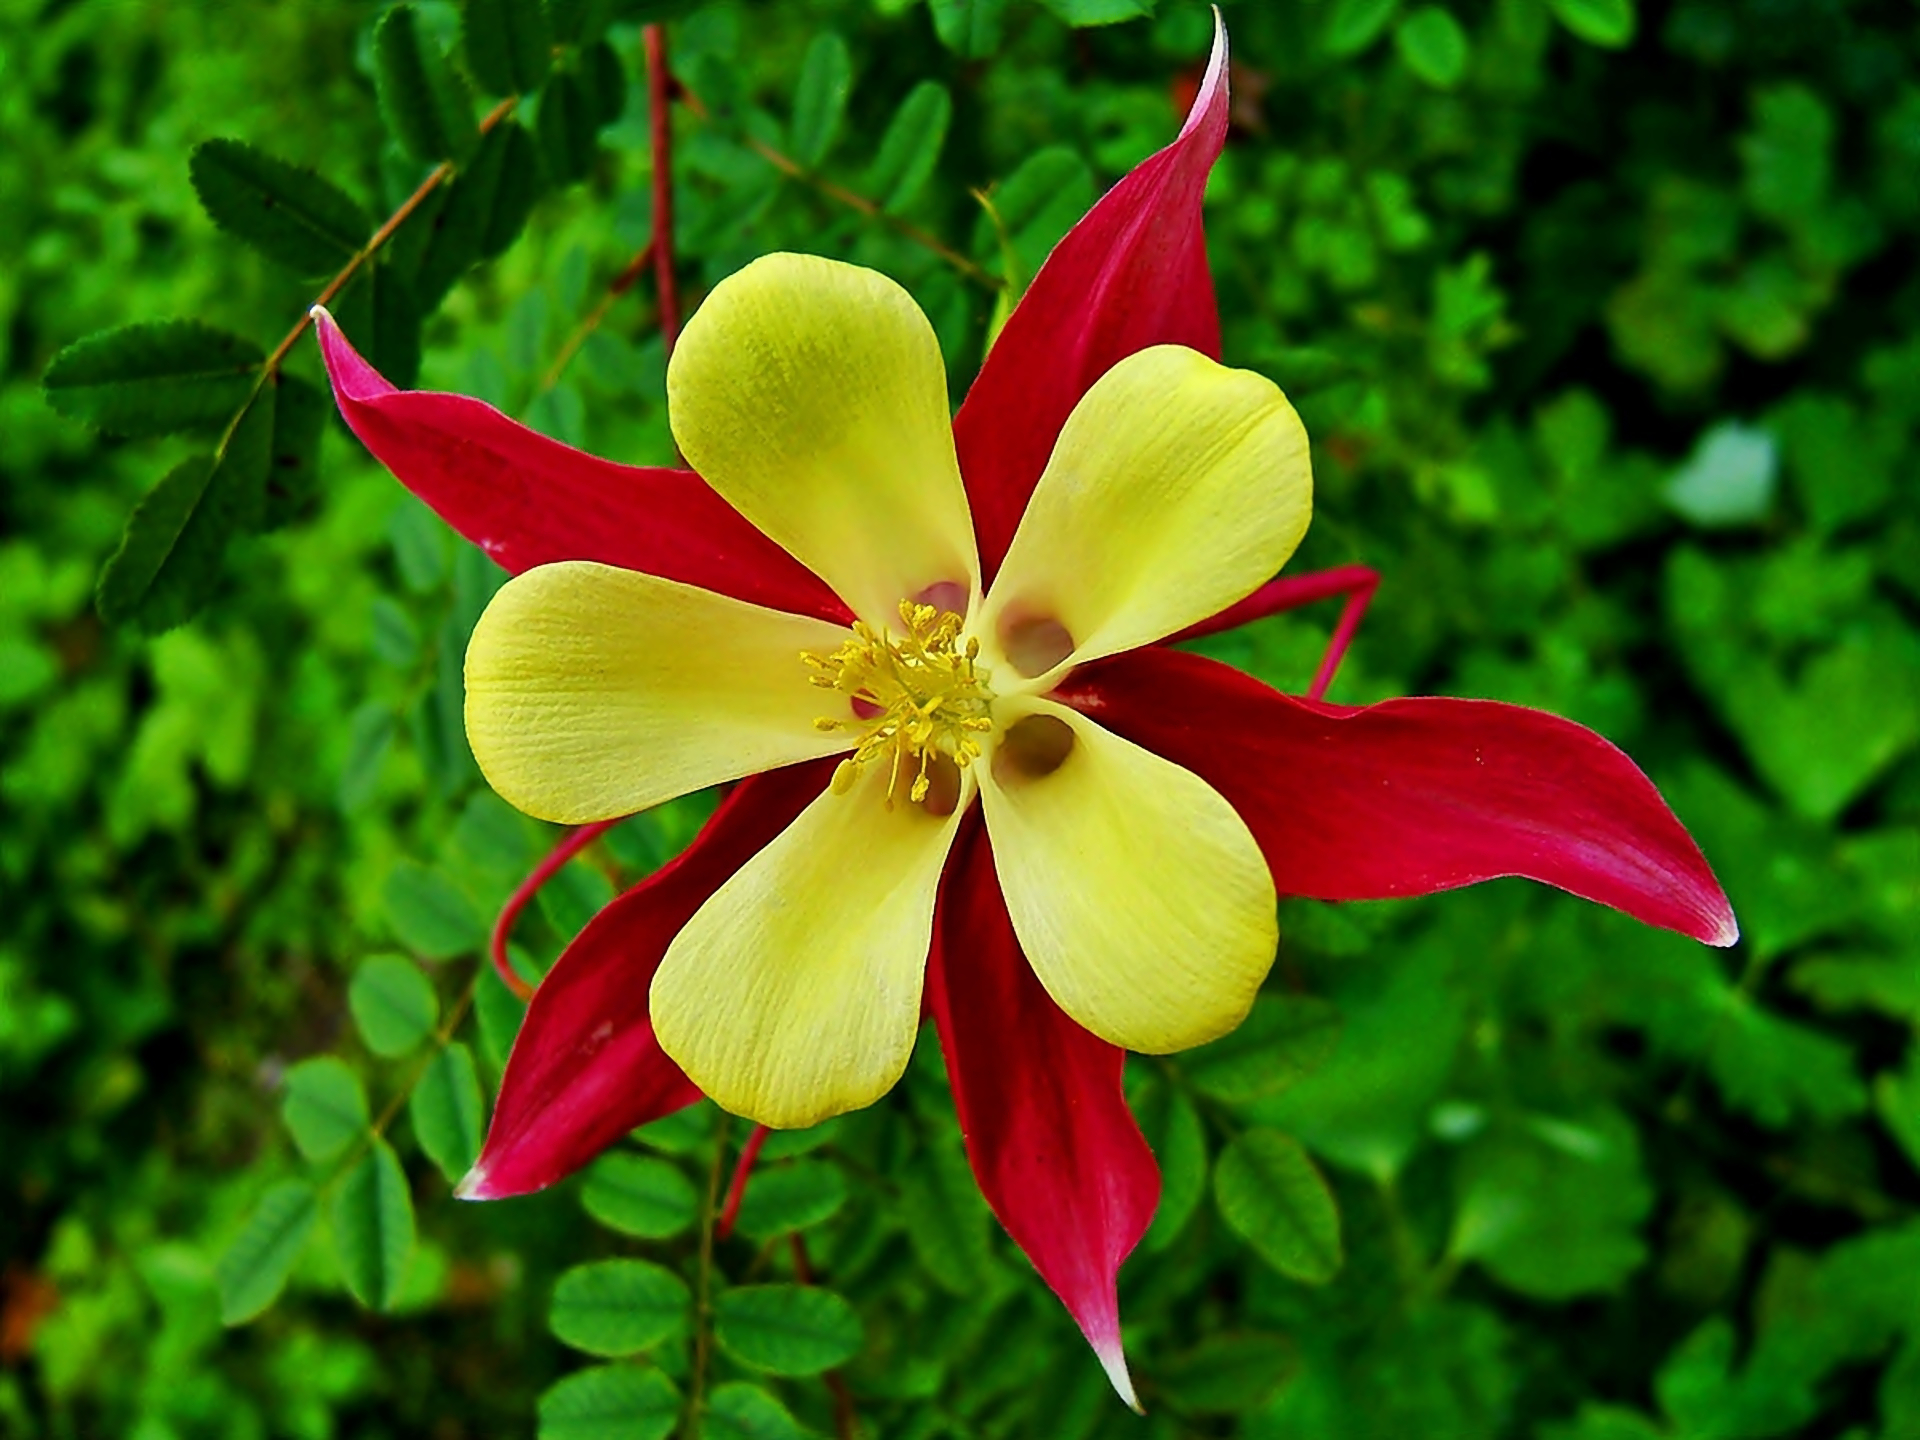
509	45
1433	46
369	737
254	1269
611	1402
739	1411
781	1198
393	1004
382	317
288	213
820	101
1353	25
1271	1193
448	1112
153	378
947	1222
787	1329
299	415
425	104
1284	1039
639	1195
1607	23
568	136
431	916
1228	1374
618	1307
169	559
603	80
969	28
325	1108
1173	1130
1896	1096
487	206
1079	13
372	1215
911	147
1554	1210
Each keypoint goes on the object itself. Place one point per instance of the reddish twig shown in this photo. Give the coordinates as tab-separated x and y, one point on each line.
616	287
846	1424
1356	582
742	1171
529	887
660	128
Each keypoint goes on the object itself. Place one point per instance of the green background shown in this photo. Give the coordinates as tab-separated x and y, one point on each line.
1606	328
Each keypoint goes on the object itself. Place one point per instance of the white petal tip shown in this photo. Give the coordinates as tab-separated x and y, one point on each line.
473	1184
1113	1360
1727	933
318	312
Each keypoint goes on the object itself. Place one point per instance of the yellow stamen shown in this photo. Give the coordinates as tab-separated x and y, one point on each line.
928	690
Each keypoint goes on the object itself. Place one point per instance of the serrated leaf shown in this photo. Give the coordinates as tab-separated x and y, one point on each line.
781	1198
373	1230
486	208
1353	25
820	100
448	1111
739	1411
254	1269
638	1195
425	104
299	415
393	1004
508	43
153	378
1271	1193
618	1307
787	1329
381	316
610	1402
1433	46
1284	1039
287	212
1607	23
911	147
565	126
432	917
325	1108
969	28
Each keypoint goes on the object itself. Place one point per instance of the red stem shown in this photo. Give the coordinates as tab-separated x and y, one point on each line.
529	887
660	127
737	1188
1290	592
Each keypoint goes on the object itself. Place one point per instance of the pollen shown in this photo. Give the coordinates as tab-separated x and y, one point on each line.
920	699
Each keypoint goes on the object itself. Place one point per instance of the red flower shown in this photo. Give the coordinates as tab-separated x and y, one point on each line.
1401	798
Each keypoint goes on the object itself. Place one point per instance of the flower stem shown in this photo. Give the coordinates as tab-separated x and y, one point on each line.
742	1170
703	1285
660	88
1356	582
577	841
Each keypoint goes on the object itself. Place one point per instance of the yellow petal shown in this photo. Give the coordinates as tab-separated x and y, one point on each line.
594	691
1139	896
1177	487
811	394
794	993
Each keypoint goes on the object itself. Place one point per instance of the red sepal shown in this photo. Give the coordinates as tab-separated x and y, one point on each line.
527	500
1412	796
586	1068
1053	1145
1132	273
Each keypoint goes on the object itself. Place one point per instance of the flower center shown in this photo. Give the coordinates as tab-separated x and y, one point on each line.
921	699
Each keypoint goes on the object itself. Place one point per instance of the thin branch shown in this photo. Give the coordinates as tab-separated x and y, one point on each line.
584	836
853	200
742	1170
591	321
660	88
703	1284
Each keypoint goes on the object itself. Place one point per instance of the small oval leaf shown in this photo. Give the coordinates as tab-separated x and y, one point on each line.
610	1402
325	1108
393	1004
787	1329
1274	1196
639	1195
373	1230
255	1267
820	101
618	1307
448	1113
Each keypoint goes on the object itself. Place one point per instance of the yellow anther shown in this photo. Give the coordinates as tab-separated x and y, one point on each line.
926	696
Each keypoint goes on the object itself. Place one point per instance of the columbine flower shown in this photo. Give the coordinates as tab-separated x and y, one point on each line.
930	649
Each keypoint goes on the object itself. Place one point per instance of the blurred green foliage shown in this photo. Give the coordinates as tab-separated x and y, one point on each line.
1606	326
